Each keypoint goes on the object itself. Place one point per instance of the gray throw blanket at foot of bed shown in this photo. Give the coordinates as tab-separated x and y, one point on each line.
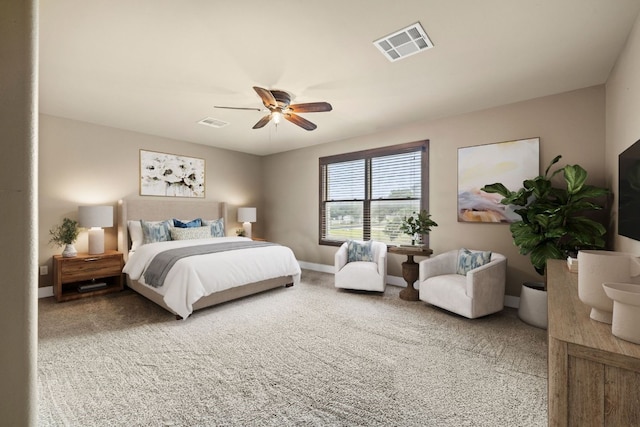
162	262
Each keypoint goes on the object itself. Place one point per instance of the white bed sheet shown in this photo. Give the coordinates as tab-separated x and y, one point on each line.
194	277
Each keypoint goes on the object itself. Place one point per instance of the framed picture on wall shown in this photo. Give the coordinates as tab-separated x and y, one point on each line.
163	174
509	162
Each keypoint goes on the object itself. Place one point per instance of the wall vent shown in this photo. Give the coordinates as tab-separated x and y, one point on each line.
214	123
403	43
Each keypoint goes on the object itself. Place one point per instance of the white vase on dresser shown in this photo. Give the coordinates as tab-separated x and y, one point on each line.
597	267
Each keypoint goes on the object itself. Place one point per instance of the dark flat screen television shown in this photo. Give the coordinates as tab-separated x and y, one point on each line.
629	192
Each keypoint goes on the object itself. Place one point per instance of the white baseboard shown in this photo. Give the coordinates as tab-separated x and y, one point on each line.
323	268
45	292
509	301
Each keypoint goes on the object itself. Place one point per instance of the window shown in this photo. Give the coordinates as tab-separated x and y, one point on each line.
365	195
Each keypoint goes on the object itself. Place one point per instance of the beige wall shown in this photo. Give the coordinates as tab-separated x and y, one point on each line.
623	126
571	124
18	197
83	163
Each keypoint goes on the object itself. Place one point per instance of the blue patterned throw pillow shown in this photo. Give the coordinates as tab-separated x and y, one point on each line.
468	260
155	231
193	223
359	251
217	227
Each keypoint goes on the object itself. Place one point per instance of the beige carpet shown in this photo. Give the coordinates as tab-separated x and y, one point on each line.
309	355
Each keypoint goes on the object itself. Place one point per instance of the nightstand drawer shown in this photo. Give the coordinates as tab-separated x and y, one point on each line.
70	274
90	268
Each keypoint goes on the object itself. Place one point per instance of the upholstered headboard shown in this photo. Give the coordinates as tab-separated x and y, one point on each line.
158	210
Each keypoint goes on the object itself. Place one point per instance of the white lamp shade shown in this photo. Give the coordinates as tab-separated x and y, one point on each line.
247	214
95	216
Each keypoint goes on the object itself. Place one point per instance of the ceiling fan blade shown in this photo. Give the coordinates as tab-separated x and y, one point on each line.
302	122
311	107
262	122
238	108
267	97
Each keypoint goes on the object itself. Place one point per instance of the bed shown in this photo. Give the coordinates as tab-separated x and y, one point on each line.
199	281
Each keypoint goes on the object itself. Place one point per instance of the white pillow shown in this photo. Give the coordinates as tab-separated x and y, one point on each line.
135	234
190	233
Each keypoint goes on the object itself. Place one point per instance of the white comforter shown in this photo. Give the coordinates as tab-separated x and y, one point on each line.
194	277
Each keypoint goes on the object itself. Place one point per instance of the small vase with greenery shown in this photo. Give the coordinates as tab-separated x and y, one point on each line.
65	235
553	222
417	225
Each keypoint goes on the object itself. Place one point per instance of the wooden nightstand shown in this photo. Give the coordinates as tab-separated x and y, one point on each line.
258	239
70	274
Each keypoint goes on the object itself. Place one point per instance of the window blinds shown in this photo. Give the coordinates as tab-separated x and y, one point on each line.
365	195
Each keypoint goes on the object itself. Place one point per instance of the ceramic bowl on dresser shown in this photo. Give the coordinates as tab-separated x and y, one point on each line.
597	267
626	310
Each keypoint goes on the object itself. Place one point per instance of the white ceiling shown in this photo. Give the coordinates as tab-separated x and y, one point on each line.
159	66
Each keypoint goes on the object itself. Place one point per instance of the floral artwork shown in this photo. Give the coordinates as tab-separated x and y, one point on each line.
164	174
509	162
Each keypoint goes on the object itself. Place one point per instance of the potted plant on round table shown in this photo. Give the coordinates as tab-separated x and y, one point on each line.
552	225
65	235
417	225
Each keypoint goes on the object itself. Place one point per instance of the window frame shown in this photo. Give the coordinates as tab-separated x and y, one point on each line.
367	155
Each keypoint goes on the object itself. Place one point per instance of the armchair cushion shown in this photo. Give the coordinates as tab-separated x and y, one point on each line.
469	260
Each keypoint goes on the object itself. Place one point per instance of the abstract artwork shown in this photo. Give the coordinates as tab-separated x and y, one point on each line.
509	162
163	174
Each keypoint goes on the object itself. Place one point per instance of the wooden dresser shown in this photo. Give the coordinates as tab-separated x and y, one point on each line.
594	377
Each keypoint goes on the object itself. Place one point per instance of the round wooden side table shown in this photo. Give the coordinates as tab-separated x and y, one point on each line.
410	269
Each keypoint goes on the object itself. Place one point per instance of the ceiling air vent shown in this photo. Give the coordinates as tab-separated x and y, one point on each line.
214	123
403	43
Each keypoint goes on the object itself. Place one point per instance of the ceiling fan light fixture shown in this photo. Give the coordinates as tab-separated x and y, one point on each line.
278	103
405	42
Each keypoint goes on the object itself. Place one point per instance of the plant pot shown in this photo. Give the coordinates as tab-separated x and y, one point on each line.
69	251
533	305
626	310
597	267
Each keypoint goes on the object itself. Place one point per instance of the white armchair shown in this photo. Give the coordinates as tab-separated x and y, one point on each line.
362	275
478	293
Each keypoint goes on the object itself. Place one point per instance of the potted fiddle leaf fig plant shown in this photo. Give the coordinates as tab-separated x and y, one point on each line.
417	225
553	222
65	235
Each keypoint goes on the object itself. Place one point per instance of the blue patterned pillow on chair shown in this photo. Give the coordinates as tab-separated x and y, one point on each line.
468	260
359	251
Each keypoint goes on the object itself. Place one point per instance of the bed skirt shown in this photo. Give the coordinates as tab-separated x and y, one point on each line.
217	297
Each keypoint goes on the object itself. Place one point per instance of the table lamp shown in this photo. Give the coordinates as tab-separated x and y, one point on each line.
94	218
246	216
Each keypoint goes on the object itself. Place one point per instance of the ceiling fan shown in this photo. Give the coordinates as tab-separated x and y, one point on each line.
278	103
